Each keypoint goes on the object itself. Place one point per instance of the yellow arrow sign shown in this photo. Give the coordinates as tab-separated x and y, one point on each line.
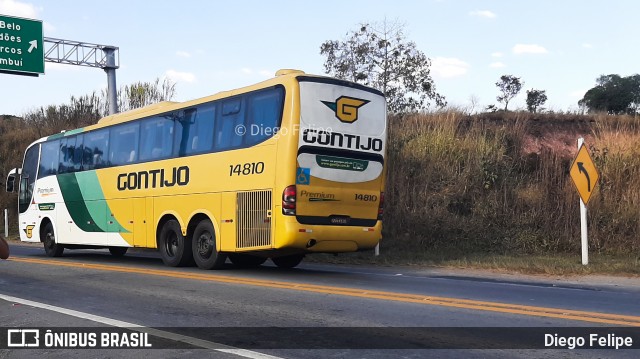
584	174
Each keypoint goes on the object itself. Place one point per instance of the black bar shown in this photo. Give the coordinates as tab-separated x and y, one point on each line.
565	338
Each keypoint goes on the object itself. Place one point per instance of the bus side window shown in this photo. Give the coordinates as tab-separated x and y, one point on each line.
67	150
231	128
264	111
194	130
77	154
156	138
49	159
96	146
124	144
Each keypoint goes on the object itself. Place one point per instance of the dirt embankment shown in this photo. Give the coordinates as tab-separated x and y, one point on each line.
557	136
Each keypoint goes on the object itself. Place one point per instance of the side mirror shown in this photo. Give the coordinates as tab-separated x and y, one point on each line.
11	179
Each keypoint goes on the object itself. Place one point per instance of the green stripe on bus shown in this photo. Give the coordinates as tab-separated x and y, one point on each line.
76	205
74	132
84	199
66	133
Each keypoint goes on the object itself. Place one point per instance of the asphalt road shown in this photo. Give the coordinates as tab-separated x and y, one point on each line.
315	310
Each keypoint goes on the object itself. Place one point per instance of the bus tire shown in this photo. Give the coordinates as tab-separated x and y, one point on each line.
175	249
204	249
118	251
51	248
246	260
288	261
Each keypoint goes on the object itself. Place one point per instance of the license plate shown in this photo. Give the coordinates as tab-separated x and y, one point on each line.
340	220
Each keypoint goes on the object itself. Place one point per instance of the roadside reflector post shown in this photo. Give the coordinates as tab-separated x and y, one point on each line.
377	250
6	223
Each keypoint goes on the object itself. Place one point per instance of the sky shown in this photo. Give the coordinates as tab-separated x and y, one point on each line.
560	46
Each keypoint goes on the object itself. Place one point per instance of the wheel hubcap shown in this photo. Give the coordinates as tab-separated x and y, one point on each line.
205	245
50	240
171	245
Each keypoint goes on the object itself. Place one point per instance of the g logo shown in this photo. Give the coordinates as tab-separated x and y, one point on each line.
29	231
346	108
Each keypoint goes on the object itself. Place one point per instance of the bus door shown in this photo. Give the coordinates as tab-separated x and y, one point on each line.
27	219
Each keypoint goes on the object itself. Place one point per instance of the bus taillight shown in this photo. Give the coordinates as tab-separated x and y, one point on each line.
289	201
381	206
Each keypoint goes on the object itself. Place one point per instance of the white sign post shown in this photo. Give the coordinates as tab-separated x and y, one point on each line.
583	223
6	223
585	176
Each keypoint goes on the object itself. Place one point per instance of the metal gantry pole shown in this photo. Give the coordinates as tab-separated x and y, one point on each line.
110	69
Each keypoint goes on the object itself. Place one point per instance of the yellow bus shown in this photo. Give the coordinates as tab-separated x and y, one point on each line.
287	167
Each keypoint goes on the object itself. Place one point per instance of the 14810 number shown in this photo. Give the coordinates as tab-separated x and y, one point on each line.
366	197
245	169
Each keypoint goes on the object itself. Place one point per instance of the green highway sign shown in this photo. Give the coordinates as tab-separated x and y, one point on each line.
21	46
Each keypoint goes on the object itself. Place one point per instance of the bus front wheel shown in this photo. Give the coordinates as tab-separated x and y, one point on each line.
288	261
203	244
174	247
51	248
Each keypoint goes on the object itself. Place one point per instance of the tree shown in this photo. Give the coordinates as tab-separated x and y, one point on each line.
88	109
381	57
510	86
141	94
535	100
613	94
80	111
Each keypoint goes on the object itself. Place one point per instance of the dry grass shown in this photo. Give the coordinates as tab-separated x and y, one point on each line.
470	183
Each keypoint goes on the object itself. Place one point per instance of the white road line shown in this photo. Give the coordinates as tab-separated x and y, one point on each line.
248	354
71	312
155	332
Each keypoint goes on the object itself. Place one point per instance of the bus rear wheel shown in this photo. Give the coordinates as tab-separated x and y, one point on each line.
246	260
288	261
51	248
174	247
204	249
